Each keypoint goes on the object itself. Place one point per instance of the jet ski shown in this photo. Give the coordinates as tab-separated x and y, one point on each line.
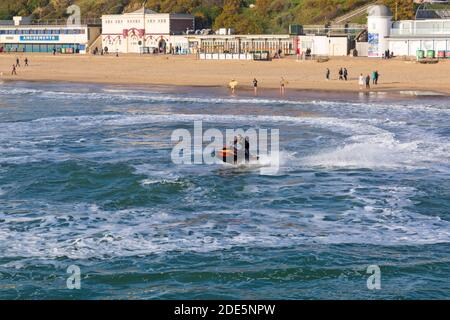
226	155
235	155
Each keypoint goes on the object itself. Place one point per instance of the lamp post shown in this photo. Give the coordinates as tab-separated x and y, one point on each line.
396	10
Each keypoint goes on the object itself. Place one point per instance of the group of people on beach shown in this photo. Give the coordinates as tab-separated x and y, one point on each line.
362	80
233	85
365	80
17	65
103	51
388	54
342	74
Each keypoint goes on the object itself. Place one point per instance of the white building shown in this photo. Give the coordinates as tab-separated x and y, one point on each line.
405	37
23	35
323	45
243	47
143	31
409	36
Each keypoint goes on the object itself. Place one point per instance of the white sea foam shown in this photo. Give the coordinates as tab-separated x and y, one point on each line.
59	124
124	95
85	231
375	151
381	215
368	145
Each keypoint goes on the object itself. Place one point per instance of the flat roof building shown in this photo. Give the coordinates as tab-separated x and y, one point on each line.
405	37
23	35
243	43
408	36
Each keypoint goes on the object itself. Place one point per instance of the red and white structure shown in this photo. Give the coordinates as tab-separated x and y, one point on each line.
143	31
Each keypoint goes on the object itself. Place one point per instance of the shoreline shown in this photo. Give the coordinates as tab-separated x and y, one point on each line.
215	91
186	71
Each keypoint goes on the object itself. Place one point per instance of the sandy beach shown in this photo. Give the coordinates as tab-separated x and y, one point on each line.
395	75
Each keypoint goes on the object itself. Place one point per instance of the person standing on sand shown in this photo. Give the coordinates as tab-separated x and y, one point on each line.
17	62
255	86
345	74
327	74
14	72
361	81
375	76
341	74
283	84
26	62
368	82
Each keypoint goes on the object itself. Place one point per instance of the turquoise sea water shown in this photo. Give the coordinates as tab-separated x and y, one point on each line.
86	179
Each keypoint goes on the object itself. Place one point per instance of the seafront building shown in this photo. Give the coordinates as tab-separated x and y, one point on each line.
145	31
405	37
240	46
24	35
408	36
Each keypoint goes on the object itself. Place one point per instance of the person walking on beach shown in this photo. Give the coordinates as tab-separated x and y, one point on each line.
361	81
327	74
17	62
14	72
255	86
233	84
345	74
375	76
341	74
283	84
26	62
367	82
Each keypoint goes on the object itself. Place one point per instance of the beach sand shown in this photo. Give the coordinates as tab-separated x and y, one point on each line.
395	75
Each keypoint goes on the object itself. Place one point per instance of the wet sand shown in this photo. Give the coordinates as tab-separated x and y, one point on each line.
396	76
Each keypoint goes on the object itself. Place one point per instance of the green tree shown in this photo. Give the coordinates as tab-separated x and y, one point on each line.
248	24
401	9
229	16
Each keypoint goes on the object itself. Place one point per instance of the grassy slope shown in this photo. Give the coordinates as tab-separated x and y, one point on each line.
270	15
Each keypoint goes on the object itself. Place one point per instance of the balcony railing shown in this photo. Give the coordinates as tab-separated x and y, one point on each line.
420	32
62	22
333	30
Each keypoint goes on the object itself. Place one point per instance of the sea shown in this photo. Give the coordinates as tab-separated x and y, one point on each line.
92	205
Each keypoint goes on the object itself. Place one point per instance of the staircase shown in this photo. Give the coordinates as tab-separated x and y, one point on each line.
97	43
360	11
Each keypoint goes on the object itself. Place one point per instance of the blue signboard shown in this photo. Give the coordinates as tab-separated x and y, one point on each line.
374	41
39	38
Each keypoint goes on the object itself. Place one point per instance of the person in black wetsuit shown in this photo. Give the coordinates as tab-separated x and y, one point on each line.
247	150
235	149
